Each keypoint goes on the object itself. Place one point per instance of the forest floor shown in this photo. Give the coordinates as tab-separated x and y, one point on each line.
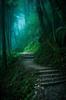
50	84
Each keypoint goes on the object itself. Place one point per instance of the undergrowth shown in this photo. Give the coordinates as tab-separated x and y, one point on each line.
32	47
16	82
47	57
10	58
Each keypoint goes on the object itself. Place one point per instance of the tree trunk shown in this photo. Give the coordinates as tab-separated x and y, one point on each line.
53	26
46	15
15	37
7	35
3	37
10	34
0	42
62	4
39	10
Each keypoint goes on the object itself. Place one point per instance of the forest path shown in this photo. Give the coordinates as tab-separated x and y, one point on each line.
50	83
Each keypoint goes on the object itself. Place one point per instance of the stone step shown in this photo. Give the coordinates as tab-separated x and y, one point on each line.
48	71
28	53
44	68
50	83
50	75
28	59
28	56
51	79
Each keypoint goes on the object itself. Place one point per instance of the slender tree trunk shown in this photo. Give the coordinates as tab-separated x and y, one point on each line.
0	36
26	11
10	40
3	37
15	37
18	29
45	13
49	26
0	42
10	21
7	35
53	26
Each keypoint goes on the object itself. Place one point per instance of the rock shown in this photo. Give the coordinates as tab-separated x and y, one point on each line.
35	87
35	92
42	88
35	84
35	96
37	80
38	85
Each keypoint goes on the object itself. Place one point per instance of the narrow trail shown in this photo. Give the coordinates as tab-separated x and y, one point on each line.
50	83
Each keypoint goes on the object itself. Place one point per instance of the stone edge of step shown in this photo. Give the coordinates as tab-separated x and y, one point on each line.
50	75
47	71
52	79
50	83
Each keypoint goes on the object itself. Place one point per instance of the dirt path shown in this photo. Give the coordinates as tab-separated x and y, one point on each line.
50	84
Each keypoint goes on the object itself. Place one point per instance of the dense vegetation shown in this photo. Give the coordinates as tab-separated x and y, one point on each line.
16	82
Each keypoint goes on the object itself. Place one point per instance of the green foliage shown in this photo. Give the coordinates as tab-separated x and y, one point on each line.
33	21
60	36
47	57
17	83
10	58
32	47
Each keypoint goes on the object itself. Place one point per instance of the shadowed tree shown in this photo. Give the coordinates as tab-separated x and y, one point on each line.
3	35
0	40
62	7
49	26
42	24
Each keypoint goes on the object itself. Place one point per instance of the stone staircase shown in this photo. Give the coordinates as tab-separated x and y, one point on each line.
45	75
28	56
49	82
49	77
